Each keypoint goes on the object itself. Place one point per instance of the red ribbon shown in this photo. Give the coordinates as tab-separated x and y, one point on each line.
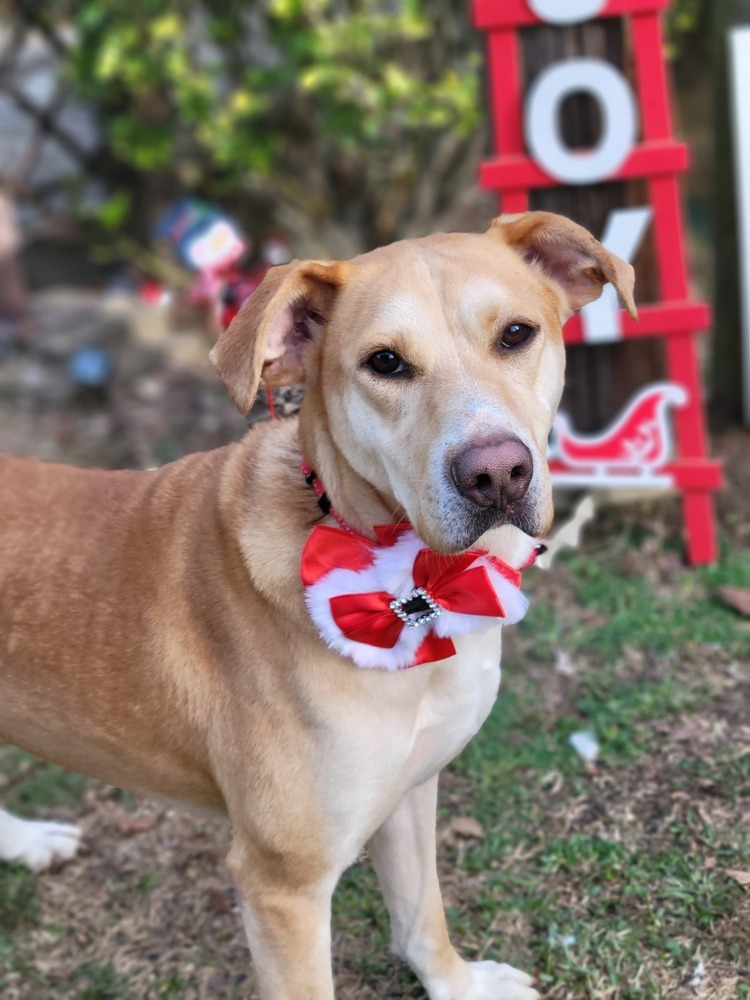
330	548
368	618
449	581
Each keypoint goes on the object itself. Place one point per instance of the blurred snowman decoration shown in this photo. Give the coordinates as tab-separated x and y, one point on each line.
210	242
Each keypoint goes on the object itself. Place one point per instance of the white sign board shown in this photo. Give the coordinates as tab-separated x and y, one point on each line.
739	43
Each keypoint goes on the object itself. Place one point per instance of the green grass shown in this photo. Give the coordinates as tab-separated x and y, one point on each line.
100	981
628	612
598	910
47	785
19	911
18	902
32	788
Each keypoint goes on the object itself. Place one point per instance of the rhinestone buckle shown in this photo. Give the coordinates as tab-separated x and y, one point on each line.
418	603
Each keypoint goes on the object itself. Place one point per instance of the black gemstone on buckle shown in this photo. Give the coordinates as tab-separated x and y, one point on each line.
417	605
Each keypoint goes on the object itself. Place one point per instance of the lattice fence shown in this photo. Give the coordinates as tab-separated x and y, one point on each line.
50	146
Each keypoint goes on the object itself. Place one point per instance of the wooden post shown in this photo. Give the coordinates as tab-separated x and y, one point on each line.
726	347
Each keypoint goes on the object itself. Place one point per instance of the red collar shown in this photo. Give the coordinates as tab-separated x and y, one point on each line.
311	478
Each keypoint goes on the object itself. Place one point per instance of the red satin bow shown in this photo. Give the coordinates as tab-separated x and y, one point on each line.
368	618
331	548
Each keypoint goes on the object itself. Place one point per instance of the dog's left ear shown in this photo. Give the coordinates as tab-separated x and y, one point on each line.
569	254
290	306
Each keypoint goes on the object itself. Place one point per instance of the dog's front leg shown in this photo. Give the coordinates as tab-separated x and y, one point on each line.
286	907
403	853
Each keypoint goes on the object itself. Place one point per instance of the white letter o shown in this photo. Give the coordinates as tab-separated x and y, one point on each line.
619	120
572	11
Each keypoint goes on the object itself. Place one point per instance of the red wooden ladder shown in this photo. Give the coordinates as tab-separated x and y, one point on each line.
657	158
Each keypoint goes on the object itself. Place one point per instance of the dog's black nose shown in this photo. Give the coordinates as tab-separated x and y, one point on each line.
494	473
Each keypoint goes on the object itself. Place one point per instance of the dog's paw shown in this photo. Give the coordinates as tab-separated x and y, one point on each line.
493	981
37	843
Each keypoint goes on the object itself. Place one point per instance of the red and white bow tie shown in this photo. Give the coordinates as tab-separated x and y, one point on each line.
396	603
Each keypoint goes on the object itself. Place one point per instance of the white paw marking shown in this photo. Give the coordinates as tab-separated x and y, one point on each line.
498	981
485	981
36	843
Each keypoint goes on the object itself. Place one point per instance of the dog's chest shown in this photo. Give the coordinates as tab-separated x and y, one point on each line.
456	703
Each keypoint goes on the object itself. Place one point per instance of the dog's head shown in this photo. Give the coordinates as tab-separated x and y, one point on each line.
432	367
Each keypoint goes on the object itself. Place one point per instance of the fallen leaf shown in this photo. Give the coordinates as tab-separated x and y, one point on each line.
136	824
219	901
736	598
706	784
700	974
742	877
564	663
466	827
686	732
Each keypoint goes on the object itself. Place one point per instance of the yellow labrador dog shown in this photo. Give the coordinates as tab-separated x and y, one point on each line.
303	628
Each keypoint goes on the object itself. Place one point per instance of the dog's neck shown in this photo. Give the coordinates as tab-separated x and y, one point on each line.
356	502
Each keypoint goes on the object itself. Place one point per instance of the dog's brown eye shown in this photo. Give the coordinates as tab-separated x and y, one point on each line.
386	363
515	334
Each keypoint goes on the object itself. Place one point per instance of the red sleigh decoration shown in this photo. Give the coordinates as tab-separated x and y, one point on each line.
658	159
632	451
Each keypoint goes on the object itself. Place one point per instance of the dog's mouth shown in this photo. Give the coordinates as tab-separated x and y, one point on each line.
461	523
519	514
485	483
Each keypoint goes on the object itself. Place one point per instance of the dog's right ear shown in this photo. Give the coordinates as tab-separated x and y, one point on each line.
265	340
569	255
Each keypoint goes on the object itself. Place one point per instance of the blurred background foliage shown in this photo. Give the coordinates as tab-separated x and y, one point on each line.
685	17
338	125
347	122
